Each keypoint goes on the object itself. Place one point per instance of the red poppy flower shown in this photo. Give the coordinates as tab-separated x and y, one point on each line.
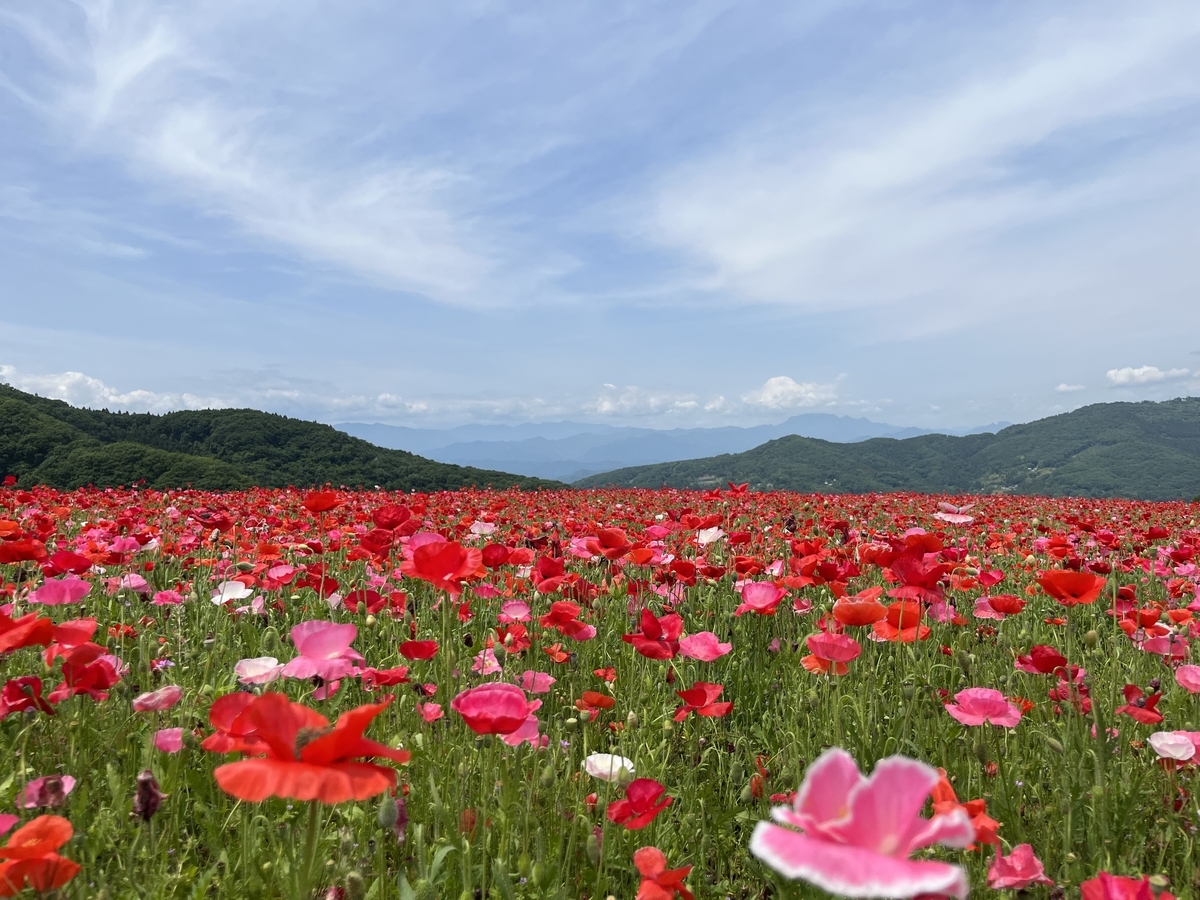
321	501
609	674
1071	588
701	699
863	608
444	564
28	631
391	516
919	578
593	701
1140	707
556	653
1119	887
22	694
640	805
611	543
32	859
902	624
659	637
659	882
1042	659
305	758
419	649
494	708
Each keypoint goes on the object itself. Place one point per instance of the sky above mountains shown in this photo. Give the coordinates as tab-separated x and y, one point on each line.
639	213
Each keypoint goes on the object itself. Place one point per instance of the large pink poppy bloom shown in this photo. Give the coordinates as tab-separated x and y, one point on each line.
856	833
703	646
494	708
56	592
974	706
324	649
1188	678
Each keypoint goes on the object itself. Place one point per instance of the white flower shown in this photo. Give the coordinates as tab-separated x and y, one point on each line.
259	670
706	536
230	590
483	528
606	766
1172	745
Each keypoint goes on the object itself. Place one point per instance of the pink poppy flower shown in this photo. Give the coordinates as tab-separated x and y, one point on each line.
167	598
494	708
169	740
485	662
1177	745
640	805
527	733
430	712
157	701
761	597
7	821
974	706
258	670
1188	678
1016	871
57	592
536	682
324	649
513	611
47	791
703	646
857	833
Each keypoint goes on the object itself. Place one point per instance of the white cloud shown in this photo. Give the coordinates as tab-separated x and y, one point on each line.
79	389
1143	375
1065	388
781	392
889	196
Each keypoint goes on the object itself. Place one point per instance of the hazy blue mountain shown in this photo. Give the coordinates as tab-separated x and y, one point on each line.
571	450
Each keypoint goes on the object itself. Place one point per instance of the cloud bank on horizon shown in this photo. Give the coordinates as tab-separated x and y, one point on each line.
624	212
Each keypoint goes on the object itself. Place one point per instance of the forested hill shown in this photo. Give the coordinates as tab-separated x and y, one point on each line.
50	442
1147	451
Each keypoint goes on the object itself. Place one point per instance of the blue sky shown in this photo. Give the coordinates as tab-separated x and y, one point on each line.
644	213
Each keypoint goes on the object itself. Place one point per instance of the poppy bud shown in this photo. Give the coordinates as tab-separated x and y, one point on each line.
631	720
624	777
538	875
746	795
356	888
1055	745
547	777
244	567
593	849
387	815
736	772
964	661
909	691
499	652
270	639
524	865
370	621
981	753
147	798
1092	638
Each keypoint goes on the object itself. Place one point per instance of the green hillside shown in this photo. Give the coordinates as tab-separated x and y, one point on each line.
1147	451
49	442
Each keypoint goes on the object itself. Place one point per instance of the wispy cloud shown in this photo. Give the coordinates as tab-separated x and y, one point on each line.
1065	388
922	188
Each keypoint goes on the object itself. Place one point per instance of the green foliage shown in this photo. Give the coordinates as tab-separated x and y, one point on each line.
50	442
1148	451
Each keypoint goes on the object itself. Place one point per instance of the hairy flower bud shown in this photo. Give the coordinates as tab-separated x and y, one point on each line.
147	798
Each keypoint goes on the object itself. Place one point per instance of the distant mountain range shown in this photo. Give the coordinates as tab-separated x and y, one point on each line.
1148	451
568	451
49	442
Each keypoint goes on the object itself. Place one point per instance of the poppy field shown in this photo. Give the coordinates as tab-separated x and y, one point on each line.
591	694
